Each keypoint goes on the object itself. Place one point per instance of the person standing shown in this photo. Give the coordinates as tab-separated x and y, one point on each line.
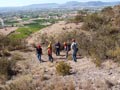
39	52
74	48
50	45
50	54
66	48
57	48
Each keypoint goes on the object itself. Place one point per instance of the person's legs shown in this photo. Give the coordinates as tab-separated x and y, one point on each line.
49	57
66	54
58	51
39	57
74	56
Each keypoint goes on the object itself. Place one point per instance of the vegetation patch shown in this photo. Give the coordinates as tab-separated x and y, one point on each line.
24	32
6	69
63	68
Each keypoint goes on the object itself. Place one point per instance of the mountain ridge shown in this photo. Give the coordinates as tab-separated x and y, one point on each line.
70	4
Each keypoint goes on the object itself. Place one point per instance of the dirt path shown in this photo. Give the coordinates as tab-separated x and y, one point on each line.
84	74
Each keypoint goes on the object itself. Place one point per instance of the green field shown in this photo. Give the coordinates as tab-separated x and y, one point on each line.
52	21
25	31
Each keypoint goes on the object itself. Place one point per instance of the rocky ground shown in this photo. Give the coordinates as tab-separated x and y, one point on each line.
84	73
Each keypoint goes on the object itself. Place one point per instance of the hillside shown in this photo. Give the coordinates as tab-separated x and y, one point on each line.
84	73
97	66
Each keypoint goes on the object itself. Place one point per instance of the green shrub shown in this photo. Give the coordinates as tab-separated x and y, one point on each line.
63	68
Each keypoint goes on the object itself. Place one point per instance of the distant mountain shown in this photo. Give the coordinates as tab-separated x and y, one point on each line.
71	4
46	5
96	3
89	4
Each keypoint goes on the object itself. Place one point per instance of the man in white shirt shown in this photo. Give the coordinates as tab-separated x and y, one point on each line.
74	48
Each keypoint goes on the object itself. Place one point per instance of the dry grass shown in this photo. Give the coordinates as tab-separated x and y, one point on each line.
22	83
17	57
63	68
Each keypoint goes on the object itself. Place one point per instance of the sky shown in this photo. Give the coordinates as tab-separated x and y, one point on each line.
12	3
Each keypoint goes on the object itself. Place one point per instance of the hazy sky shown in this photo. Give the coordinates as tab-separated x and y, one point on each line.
4	3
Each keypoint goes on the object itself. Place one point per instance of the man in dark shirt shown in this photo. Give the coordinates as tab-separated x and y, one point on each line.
57	48
39	52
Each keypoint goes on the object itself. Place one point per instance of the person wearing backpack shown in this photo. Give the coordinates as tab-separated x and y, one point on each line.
39	52
74	48
57	48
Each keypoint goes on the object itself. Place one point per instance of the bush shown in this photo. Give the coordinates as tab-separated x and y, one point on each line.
9	44
63	68
114	54
104	32
6	68
5	53
22	83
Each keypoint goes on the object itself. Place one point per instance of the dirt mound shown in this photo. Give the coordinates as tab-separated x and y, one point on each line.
56	29
8	30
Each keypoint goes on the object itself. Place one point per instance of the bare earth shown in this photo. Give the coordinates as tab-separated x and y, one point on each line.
84	73
55	30
8	30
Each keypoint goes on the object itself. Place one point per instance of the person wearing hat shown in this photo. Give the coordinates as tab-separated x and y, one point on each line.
39	52
50	45
50	54
74	48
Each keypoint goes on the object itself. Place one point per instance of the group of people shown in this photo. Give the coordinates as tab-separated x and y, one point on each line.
67	47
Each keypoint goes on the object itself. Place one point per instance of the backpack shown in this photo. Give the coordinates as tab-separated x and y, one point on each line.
75	47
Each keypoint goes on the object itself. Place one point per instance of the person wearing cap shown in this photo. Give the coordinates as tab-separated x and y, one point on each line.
74	48
39	52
